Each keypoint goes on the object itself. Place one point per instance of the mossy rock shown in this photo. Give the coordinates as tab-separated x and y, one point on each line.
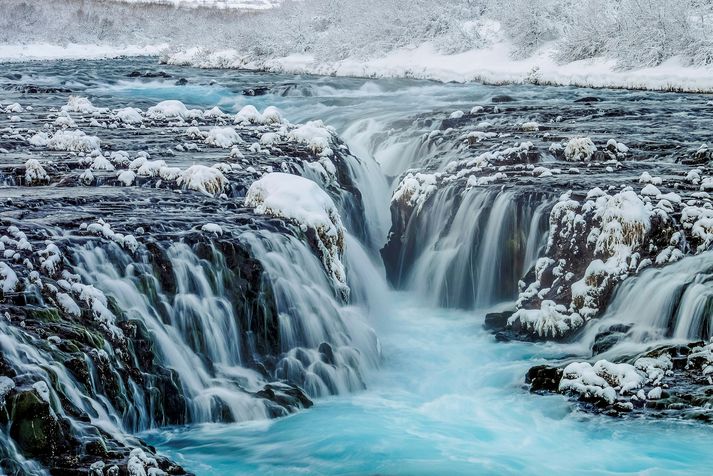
34	426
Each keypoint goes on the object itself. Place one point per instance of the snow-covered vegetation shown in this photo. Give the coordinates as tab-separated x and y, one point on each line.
508	40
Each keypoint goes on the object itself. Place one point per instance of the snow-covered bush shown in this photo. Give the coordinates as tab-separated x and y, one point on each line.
634	32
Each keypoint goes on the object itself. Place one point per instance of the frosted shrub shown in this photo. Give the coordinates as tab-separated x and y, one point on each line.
634	32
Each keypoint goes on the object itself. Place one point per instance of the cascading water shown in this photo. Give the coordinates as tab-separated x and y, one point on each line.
196	330
469	250
447	398
660	305
209	339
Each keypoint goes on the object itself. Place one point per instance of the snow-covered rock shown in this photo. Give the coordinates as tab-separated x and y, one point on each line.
203	179
224	137
302	201
579	149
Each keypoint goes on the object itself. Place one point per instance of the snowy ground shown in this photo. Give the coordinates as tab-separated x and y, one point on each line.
46	51
493	64
657	44
236	4
490	65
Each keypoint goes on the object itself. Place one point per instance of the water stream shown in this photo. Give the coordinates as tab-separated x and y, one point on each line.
435	394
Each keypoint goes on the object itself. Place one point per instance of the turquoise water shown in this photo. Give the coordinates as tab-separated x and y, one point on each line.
447	400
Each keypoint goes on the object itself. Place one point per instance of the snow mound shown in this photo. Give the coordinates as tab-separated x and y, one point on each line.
315	135
81	105
579	149
603	380
8	278
35	174
129	115
302	201
70	141
223	137
248	115
172	109
203	179
414	189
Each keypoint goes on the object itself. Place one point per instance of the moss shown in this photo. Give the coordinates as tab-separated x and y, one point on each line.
45	314
34	427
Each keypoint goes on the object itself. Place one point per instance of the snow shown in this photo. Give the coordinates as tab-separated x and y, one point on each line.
20	52
6	385
579	149
35	173
42	390
314	134
203	179
14	107
150	168
212	228
248	115
8	279
248	5
68	304
70	141
126	177
650	190
302	201
414	189
224	137
551	319
102	163
493	64
604	379
81	105
271	115
172	109
129	115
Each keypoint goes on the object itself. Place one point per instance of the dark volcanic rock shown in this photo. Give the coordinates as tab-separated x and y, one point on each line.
543	378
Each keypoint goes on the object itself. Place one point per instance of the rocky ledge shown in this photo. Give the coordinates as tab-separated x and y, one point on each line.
609	210
668	381
156	199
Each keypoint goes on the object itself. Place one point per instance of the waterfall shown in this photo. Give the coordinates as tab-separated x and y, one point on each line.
314	328
209	335
195	329
469	249
661	304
